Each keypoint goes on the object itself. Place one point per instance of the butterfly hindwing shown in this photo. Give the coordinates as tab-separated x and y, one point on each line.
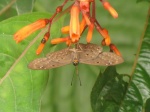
104	59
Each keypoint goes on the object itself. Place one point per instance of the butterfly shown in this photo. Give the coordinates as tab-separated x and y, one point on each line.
85	53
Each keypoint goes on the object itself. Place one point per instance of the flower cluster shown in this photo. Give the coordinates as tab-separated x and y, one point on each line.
83	8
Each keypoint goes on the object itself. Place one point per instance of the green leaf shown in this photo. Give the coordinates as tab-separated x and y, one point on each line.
6	9
108	91
111	96
24	6
21	88
143	0
147	106
139	89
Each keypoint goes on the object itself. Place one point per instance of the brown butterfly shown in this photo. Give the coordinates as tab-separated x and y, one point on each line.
85	53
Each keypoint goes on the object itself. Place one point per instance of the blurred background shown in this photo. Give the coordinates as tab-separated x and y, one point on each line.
125	33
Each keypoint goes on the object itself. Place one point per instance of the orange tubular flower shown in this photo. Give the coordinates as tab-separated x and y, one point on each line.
74	23
106	37
66	29
44	40
60	40
27	30
90	33
82	25
112	11
84	5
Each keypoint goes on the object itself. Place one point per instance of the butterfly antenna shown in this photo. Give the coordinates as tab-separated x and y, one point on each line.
77	72
72	78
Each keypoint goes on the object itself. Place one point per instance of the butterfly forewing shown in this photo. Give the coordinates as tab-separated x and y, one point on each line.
61	56
89	51
44	63
52	60
104	59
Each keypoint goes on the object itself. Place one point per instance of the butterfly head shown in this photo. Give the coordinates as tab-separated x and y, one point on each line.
75	61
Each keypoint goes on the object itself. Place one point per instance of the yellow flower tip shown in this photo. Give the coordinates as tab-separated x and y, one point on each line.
106	36
112	11
40	48
65	30
107	41
27	30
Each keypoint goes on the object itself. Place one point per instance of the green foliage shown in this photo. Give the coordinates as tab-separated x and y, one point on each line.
137	94
143	0
147	106
19	85
109	91
24	6
25	90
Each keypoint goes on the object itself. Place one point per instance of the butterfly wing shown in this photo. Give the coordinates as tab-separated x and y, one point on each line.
61	56
52	60
89	51
104	59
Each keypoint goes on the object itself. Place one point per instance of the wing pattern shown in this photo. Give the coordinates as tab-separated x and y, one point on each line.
52	60
84	53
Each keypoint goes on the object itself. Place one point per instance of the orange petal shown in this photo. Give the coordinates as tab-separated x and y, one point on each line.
40	48
27	30
65	30
82	25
